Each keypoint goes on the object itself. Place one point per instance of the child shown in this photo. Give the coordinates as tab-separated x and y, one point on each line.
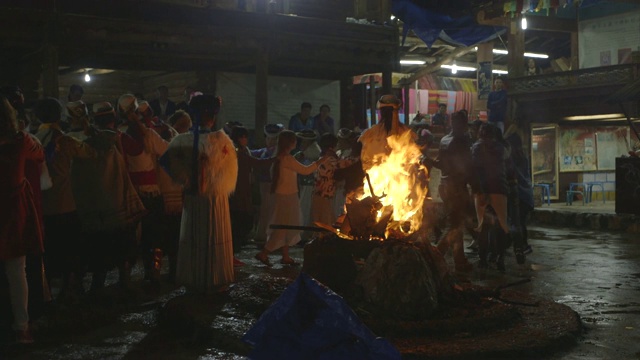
324	191
286	204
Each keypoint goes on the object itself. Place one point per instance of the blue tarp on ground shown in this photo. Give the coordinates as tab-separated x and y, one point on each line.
309	321
429	25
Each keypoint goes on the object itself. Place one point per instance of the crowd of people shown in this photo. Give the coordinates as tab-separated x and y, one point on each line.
90	191
484	174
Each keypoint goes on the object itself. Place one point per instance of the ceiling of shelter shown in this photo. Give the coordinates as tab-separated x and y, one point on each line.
555	44
551	35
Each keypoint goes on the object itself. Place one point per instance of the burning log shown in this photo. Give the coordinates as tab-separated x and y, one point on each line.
401	276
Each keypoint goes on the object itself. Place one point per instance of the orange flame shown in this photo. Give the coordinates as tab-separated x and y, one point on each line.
398	175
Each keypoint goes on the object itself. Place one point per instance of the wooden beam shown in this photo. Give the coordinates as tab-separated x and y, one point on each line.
551	24
497	21
436	65
535	22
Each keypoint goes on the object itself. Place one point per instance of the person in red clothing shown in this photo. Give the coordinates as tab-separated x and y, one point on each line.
141	165
20	231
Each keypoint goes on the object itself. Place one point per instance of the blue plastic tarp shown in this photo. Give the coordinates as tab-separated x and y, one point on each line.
309	321
429	25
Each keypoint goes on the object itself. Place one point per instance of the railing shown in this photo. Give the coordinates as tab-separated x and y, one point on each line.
606	75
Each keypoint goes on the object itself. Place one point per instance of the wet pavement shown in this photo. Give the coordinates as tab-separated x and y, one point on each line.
595	273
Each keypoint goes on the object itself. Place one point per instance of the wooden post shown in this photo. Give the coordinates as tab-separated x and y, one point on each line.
484	54
575	57
515	63
262	96
516	49
50	82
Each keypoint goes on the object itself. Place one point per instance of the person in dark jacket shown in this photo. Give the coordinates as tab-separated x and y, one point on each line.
491	166
522	166
454	162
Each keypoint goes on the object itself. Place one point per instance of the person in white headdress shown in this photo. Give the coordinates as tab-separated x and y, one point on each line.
374	140
78	119
207	166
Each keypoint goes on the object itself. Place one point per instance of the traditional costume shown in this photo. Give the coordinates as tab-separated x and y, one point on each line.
205	253
78	119
107	202
141	159
324	191
63	242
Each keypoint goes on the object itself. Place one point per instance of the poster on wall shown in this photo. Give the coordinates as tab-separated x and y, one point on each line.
611	142
577	149
484	80
608	40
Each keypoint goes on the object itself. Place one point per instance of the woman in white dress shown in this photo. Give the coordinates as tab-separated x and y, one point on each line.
205	252
286	204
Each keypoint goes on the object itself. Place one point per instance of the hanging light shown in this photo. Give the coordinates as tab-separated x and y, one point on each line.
87	77
523	23
458	68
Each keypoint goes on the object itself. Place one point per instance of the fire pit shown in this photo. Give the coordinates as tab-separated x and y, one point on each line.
381	261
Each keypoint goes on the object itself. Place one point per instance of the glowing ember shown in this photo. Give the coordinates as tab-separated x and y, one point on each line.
397	174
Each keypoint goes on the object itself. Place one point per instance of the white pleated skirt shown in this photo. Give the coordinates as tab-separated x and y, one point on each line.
205	253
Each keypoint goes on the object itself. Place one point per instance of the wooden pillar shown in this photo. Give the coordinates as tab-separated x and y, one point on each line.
516	49
575	57
262	94
50	84
484	54
373	99
515	62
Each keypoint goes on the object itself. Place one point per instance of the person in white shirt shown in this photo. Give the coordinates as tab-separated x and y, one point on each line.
287	205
